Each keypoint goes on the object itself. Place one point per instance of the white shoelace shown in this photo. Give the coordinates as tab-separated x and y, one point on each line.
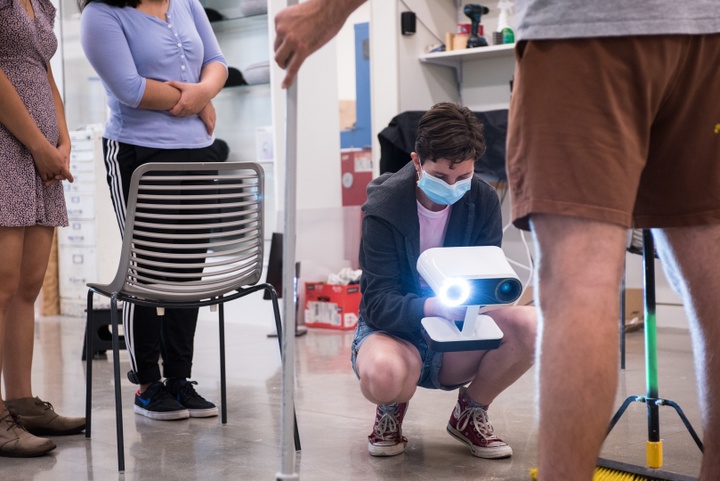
388	422
480	422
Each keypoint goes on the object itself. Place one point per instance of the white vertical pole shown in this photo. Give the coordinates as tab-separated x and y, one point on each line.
289	293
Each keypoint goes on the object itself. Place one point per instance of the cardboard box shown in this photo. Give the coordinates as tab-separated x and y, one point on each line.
331	306
634	309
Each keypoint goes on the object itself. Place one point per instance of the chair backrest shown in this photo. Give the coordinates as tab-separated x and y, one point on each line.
194	231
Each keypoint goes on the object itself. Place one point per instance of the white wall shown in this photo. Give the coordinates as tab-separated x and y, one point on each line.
424	85
318	201
318	149
399	81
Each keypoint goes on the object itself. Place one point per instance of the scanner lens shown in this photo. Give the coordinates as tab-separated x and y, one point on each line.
509	290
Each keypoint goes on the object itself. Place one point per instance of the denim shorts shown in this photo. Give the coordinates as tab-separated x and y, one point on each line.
431	360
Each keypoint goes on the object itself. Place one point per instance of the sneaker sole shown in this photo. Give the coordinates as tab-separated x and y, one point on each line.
485	453
203	413
162	415
384	451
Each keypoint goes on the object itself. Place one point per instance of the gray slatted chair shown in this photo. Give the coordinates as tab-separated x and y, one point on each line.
193	238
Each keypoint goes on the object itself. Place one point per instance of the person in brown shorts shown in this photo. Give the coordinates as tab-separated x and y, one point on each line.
607	134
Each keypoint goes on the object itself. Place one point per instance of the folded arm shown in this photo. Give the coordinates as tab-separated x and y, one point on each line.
194	97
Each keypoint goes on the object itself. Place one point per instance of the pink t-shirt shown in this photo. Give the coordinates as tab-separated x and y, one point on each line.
433	225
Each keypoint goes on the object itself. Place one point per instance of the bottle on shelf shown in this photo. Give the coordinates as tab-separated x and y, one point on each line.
504	34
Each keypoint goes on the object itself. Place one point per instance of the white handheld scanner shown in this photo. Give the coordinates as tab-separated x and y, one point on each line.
470	275
473	277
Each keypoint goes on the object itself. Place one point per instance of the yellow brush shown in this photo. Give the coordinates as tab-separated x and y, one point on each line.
604	474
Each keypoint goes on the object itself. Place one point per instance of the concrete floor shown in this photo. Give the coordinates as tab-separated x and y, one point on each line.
334	419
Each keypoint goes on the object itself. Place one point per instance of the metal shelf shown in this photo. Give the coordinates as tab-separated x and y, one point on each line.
455	58
239	22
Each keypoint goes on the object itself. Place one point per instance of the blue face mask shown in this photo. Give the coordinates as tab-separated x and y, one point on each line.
440	191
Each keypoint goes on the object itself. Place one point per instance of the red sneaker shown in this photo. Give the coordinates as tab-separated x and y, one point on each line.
470	425
386	438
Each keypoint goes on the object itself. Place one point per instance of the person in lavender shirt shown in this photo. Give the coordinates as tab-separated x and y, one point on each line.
161	66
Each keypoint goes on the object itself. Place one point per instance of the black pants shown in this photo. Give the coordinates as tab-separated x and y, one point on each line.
147	336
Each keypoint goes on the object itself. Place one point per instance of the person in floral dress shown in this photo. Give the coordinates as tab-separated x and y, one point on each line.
34	160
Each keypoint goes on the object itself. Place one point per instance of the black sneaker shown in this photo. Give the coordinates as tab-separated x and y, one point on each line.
184	393
157	403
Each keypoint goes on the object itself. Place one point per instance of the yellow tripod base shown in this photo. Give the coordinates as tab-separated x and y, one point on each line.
654	454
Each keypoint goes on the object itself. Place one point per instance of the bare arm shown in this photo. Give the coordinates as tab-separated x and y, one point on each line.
194	97
63	144
18	121
434	307
159	96
303	28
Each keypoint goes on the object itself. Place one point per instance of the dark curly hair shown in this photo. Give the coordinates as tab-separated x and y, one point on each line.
449	131
113	3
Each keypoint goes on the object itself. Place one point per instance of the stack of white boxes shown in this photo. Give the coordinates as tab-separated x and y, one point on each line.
89	248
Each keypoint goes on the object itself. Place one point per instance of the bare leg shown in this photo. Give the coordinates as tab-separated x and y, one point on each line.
580	265
493	371
11	241
690	259
20	320
389	369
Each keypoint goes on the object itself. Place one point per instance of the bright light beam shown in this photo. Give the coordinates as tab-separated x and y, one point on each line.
454	291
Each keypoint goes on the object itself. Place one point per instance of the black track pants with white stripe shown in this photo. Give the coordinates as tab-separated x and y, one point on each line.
147	336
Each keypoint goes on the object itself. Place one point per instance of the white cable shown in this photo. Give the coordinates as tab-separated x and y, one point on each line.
530	265
522	266
530	261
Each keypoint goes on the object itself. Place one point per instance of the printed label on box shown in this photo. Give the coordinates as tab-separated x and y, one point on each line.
322	312
331	306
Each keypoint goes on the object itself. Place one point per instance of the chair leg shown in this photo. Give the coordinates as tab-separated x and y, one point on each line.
278	326
223	385
88	364
118	396
296	433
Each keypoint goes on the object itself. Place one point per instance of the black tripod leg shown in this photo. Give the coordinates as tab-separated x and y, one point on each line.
629	400
686	422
